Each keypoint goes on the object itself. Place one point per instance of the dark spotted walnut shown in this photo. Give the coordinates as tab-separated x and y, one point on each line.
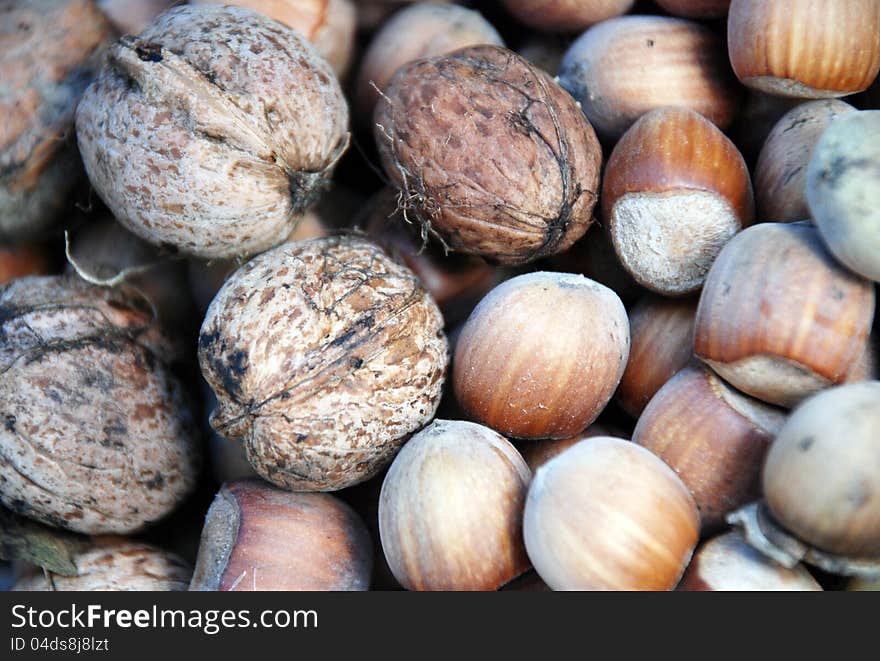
490	154
49	52
115	564
212	130
324	355
95	433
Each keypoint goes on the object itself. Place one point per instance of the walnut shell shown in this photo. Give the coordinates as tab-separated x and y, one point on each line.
212	130
96	435
324	355
492	155
49	52
116	565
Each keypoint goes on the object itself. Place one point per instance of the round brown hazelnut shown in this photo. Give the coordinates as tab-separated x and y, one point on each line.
661	343
328	24
450	509
843	190
713	437
781	171
50	51
696	8
778	317
821	473
728	563
96	434
565	15
18	260
324	356
490	154
193	138
259	538
623	67
541	355
423	29
606	514
675	190
456	282
767	38
115	564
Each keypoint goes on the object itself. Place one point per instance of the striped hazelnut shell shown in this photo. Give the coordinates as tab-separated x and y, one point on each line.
714	437
810	49
675	190
778	317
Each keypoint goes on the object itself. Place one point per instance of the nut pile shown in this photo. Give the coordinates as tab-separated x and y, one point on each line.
345	295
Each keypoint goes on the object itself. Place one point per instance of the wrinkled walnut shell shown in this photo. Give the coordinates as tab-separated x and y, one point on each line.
96	435
324	356
212	130
491	154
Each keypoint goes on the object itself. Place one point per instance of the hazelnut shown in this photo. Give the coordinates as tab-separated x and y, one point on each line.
821	473
778	317
728	563
191	136
450	510
538	453
661	343
456	282
675	190
324	355
20	260
767	38
843	190
259	538
490	153
622	68
49	52
781	172
96	433
606	514
565	15
541	355
714	437
423	29
328	24
115	564
132	16
696	8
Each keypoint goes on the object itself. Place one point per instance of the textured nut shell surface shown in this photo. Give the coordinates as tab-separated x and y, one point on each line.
843	190
624	67
778	317
96	434
259	538
421	30
606	514
822	471
805	48
492	155
781	171
116	565
729	563
541	355
450	509
49	51
212	130
324	356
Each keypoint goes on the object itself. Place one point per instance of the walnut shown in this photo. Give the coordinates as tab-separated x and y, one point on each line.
324	355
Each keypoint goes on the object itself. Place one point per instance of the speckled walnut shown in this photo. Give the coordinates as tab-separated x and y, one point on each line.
212	130
324	355
115	565
490	153
49	51
95	434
